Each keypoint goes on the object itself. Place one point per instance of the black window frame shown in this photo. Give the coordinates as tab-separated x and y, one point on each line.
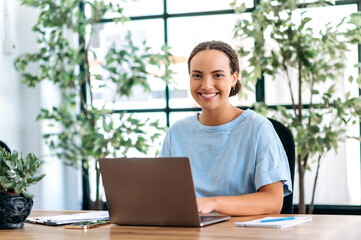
259	94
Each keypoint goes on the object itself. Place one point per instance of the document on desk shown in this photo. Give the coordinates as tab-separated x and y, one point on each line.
275	222
70	218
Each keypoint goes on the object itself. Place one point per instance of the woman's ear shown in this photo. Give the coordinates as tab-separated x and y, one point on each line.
234	78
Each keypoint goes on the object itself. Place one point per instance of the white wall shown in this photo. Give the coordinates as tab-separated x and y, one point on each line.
19	106
10	89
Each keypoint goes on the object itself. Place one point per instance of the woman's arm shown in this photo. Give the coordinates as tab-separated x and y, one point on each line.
267	200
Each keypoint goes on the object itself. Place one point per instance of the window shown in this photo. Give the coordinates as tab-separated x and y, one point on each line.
183	24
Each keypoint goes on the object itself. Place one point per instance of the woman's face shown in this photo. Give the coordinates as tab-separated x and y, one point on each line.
211	79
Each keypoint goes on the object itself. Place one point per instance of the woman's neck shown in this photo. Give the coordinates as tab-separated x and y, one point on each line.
219	116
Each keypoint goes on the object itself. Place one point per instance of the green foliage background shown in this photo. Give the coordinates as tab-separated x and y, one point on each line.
312	63
83	133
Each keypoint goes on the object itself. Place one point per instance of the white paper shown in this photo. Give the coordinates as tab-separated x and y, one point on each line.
70	218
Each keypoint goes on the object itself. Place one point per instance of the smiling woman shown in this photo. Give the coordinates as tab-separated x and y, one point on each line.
214	68
211	82
239	166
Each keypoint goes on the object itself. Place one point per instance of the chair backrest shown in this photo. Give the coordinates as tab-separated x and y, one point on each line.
288	143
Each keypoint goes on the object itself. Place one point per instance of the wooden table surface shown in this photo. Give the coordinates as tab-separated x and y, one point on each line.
322	227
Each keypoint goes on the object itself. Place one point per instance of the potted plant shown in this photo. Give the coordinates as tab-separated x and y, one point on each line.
83	132
17	173
311	63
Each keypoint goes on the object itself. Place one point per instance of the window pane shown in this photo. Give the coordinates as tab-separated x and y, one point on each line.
143	7
277	91
106	35
134	8
177	6
156	146
345	164
184	35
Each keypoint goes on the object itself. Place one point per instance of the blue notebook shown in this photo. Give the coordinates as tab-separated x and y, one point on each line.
274	222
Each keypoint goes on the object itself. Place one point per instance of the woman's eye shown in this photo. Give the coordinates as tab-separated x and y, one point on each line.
218	75
196	75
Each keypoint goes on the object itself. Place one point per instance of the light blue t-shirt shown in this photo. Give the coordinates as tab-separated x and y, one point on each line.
231	159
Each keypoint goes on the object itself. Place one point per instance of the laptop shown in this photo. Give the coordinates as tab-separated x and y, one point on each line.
152	192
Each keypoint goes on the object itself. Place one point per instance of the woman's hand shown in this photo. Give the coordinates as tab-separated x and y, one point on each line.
268	200
206	204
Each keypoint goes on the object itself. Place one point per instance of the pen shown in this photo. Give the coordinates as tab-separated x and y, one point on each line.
277	219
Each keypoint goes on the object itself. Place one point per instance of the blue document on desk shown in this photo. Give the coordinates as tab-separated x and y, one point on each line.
70	218
275	222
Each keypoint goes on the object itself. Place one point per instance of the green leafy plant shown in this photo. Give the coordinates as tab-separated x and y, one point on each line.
83	132
18	173
311	63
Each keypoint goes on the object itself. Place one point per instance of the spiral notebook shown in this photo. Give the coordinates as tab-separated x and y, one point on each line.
274	222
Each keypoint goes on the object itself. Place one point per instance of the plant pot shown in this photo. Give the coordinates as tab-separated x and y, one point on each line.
14	209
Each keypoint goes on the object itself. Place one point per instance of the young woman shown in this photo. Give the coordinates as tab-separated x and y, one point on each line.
238	163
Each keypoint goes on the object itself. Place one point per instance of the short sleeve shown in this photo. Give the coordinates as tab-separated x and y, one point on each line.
271	161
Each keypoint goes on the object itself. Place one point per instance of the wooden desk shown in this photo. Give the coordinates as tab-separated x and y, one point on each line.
322	227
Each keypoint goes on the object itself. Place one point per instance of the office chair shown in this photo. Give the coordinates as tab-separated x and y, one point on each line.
288	143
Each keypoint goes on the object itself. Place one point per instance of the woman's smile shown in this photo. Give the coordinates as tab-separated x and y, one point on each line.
209	96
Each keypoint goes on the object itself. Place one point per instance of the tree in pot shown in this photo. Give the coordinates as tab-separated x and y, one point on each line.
311	63
85	132
17	173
